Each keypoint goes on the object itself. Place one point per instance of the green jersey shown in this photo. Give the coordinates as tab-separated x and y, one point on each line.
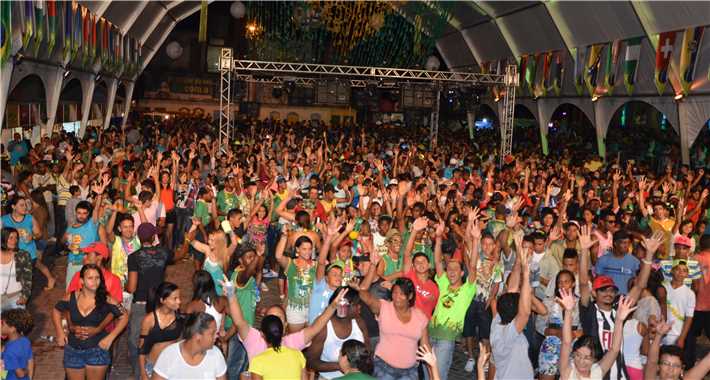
301	276
450	311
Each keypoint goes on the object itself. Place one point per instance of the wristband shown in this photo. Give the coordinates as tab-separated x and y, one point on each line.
647	262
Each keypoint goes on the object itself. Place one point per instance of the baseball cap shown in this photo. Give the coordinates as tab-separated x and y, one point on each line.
146	231
335	264
603	282
683	240
98	247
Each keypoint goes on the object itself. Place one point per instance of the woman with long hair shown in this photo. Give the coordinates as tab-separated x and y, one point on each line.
205	299
216	251
161	327
15	271
88	311
278	362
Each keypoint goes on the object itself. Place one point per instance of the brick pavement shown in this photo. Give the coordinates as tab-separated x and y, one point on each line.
48	356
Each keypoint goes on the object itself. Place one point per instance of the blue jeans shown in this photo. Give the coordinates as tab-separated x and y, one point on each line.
383	371
237	360
444	351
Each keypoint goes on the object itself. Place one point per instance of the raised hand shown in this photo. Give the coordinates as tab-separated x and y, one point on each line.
585	238
426	355
474	228
651	244
662	328
420	224
340	296
626	307
566	299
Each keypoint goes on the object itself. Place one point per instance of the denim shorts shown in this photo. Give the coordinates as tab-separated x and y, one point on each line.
75	358
384	371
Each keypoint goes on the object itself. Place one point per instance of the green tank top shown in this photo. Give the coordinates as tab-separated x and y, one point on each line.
392	266
246	296
300	283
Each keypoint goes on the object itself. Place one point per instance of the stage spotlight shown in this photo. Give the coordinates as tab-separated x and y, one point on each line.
66	73
679	96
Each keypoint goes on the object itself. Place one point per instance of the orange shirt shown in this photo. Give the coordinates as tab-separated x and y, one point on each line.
166	197
702	299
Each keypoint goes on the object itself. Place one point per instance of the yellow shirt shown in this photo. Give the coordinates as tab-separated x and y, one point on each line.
286	364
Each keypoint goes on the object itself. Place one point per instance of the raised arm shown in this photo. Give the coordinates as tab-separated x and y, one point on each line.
235	311
626	307
651	246
651	370
319	324
280	247
585	240
700	370
365	296
568	302
524	305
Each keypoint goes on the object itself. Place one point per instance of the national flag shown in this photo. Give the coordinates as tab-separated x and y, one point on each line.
40	21
612	59
530	72
67	27
593	66
547	61
28	24
77	30
579	62
5	31
631	61
202	34
692	38
557	72
664	52
521	73
51	26
85	33
92	48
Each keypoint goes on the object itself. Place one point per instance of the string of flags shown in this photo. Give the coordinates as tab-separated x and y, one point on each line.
37	27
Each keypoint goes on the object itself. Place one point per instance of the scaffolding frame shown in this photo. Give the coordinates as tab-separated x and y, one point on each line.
307	74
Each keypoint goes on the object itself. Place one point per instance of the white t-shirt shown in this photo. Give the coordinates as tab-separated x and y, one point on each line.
171	365
681	305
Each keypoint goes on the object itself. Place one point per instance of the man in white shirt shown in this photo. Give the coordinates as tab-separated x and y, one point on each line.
195	357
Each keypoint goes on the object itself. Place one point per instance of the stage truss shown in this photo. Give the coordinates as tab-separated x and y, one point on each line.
307	74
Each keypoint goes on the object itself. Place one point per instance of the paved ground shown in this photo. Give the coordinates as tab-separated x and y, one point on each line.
48	356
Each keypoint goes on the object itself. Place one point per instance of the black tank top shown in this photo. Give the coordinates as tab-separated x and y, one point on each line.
157	335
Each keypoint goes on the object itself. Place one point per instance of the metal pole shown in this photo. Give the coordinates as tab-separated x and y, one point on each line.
434	126
506	130
225	98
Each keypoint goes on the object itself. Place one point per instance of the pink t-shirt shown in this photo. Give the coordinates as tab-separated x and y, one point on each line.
256	344
399	341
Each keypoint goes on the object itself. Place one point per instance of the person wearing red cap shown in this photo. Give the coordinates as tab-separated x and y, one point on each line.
597	317
96	253
682	247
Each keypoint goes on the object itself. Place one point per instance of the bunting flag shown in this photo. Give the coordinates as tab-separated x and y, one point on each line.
521	73
5	31
202	35
579	60
611	66
40	21
631	61
102	40
692	38
557	72
92	39
77	30
664	52
530	72
51	26
592	68
85	33
547	60
67	28
110	47
28	25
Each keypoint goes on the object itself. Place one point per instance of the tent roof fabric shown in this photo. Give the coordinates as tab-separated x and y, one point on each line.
477	31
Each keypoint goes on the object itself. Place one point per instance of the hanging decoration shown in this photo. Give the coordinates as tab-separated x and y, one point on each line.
631	61
202	35
579	62
51	26
692	39
557	74
28	24
545	80
530	72
610	68
5	31
40	21
664	52
592	68
67	26
522	71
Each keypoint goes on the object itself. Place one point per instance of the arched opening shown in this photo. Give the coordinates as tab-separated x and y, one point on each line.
526	131
700	150
639	131
69	110
26	105
570	128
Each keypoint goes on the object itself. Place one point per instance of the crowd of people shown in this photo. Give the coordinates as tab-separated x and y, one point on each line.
388	256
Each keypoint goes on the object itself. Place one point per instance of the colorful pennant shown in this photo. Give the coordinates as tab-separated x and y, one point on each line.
692	39
664	53
5	31
631	61
592	68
